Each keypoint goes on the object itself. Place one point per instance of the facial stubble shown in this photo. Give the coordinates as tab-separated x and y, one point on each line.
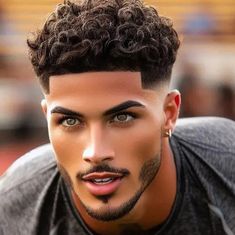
147	173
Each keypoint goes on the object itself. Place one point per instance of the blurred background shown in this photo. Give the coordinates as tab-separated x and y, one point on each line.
204	71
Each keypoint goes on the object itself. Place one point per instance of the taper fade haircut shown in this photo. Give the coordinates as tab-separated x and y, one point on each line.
104	35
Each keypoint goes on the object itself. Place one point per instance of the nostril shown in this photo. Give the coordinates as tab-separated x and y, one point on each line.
97	154
108	158
91	156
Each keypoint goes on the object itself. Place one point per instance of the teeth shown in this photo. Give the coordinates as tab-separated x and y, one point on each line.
102	181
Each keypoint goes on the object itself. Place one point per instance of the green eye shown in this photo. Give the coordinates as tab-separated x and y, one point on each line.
123	118
69	122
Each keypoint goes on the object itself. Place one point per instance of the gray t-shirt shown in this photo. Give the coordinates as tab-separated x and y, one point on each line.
35	200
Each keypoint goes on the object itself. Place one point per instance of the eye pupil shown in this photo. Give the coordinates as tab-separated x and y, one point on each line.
71	121
122	117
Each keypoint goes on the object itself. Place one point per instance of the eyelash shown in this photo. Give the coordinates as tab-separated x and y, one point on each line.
111	121
63	118
133	116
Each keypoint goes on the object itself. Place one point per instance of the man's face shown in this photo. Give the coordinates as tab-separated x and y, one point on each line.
106	133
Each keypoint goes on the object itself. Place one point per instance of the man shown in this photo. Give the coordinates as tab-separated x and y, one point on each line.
113	166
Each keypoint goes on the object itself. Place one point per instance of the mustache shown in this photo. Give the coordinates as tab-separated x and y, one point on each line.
103	168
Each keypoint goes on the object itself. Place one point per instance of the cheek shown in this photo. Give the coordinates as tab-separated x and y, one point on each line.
139	145
67	150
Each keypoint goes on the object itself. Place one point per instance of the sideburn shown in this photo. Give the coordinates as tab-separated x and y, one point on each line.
65	176
149	170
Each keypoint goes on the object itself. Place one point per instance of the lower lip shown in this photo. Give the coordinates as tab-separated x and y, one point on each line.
103	189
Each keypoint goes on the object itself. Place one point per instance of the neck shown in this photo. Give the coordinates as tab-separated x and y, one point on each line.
152	209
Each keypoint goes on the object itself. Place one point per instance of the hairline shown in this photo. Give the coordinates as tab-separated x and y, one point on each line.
158	83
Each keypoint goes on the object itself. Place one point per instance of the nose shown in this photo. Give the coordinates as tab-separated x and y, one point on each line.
98	148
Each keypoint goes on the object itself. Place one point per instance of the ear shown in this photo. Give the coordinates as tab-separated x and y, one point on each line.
44	107
171	109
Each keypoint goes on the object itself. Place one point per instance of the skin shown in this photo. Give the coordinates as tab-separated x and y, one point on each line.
130	139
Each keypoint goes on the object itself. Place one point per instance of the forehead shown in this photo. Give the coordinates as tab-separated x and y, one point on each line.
97	87
97	80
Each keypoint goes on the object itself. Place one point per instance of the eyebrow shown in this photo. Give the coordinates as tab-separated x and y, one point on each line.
61	110
115	109
123	106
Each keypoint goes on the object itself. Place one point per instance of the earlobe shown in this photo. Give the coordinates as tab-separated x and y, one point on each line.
44	107
171	110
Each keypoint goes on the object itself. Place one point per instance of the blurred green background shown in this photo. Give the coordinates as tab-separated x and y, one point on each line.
204	71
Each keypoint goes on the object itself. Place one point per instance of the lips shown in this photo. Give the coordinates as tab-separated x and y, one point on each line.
102	183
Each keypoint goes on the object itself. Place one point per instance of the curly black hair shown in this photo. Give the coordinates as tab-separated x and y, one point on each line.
104	35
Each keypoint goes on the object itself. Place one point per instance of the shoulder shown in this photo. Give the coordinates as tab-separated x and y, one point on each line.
24	187
216	132
206	147
32	165
204	122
